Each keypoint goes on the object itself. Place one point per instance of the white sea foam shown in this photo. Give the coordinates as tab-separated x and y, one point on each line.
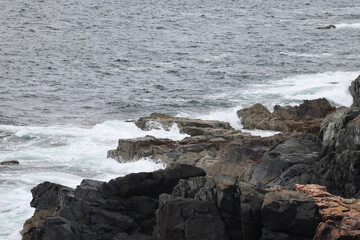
331	85
310	55
348	25
289	91
63	155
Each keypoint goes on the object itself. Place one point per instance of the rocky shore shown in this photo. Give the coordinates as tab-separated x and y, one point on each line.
222	183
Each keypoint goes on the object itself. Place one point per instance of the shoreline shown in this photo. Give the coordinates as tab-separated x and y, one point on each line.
254	188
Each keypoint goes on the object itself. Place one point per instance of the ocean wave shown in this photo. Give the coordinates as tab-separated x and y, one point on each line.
310	55
288	91
348	25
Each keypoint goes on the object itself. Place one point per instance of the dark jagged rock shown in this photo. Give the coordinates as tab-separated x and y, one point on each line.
123	208
289	212
244	211
286	162
182	219
354	90
339	166
149	184
47	195
303	118
239	203
12	162
219	190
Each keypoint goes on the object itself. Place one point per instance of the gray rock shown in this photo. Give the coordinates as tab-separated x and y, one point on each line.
287	159
149	184
290	212
354	90
181	218
327	27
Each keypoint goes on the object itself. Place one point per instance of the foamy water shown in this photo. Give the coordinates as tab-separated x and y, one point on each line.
63	155
72	71
348	25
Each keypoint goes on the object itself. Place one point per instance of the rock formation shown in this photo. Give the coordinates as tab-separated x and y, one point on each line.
303	118
176	203
340	217
232	152
248	192
123	208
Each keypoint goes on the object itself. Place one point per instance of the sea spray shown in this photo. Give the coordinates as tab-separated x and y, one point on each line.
64	155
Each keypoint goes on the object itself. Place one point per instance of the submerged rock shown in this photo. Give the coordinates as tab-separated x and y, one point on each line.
12	162
327	27
303	118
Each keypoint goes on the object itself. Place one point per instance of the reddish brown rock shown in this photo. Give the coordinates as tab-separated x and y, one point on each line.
340	217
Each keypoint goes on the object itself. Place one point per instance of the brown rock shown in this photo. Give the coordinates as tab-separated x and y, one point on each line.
340	217
231	153
303	118
193	127
253	116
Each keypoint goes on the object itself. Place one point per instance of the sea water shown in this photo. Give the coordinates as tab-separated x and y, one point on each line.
74	72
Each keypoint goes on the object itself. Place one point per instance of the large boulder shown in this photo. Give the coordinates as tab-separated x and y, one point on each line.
287	162
303	118
238	203
150	184
253	116
180	219
289	212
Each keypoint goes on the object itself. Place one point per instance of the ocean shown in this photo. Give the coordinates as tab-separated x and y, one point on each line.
73	72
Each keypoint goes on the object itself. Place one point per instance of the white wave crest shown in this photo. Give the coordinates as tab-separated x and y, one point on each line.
348	25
